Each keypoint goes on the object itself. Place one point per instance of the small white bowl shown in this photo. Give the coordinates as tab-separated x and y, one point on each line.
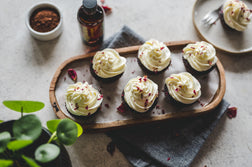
44	36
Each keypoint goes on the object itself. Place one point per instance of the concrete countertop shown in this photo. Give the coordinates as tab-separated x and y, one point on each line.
28	65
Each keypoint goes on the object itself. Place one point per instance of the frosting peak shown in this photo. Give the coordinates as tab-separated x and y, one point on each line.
154	55
108	63
82	99
140	93
201	56
183	87
236	14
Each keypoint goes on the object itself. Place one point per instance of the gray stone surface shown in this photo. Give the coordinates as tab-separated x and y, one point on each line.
28	65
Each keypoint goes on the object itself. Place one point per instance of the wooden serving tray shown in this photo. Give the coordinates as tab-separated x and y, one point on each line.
175	46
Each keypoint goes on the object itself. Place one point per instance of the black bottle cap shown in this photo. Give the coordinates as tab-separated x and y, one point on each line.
90	6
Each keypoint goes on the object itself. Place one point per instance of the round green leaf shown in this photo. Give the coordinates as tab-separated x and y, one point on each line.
4	140
18	144
79	128
1	121
47	152
53	124
27	128
67	131
31	162
6	163
28	106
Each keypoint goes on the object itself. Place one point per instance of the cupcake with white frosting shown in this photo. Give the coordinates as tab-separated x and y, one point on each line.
182	88
82	99
140	94
154	56
108	65
235	14
199	58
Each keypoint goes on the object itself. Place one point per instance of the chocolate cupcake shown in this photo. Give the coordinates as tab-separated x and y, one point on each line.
140	94
107	65
199	58
154	57
235	15
82	99
182	88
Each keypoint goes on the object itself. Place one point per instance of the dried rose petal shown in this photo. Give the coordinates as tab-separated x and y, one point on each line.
107	105
121	108
232	112
72	74
107	9
111	148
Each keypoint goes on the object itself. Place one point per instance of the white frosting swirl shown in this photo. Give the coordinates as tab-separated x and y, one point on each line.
140	93
108	63
183	87
82	99
201	56
236	14
154	55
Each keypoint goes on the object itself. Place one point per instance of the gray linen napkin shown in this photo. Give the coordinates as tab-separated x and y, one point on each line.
174	143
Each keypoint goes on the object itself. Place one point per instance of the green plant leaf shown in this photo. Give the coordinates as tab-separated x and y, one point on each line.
79	128
67	131
46	152
18	144
53	124
27	128
6	162
4	140
1	121
31	162
28	106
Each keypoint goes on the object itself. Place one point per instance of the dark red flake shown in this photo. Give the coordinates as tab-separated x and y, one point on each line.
194	92
86	107
200	103
168	159
111	148
133	72
121	108
107	9
146	102
176	89
107	105
72	74
157	106
76	106
161	48
149	94
231	112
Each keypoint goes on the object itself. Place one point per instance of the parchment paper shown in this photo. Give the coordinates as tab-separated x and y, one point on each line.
112	91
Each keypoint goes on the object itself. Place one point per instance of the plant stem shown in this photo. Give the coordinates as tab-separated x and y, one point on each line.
22	111
52	137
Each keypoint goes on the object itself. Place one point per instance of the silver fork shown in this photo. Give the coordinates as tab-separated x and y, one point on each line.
211	17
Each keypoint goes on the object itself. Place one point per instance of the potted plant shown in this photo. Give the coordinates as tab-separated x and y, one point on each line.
24	142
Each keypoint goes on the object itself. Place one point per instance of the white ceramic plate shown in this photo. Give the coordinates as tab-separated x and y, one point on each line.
221	38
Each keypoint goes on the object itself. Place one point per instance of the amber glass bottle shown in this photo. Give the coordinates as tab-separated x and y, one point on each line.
91	17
